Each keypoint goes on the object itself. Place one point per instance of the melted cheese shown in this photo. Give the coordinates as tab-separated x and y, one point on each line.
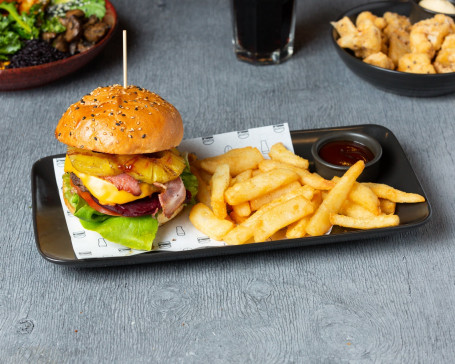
106	192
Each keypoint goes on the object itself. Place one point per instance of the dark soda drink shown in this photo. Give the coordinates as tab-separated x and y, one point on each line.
263	27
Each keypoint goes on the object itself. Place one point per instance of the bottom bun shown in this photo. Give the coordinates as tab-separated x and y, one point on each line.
163	219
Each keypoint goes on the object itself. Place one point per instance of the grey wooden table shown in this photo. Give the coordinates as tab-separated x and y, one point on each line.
388	299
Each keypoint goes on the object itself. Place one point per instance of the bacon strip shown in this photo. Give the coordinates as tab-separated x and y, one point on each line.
126	183
172	197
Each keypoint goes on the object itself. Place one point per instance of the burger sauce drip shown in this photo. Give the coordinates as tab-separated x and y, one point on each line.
345	153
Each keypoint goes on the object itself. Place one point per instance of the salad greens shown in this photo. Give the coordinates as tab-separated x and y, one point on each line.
9	40
16	27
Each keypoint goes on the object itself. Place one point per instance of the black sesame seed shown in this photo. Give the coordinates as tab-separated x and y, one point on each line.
82	101
125	101
77	107
95	100
59	134
143	136
92	115
95	138
70	133
83	118
123	115
136	108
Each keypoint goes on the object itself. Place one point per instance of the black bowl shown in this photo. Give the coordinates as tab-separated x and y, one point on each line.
401	83
329	170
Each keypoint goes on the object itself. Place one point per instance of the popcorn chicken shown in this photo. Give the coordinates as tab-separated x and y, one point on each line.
367	15
395	22
380	60
369	38
398	45
416	63
445	61
427	35
391	42
449	42
345	27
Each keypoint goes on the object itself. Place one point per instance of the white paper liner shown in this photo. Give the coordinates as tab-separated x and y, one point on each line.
178	234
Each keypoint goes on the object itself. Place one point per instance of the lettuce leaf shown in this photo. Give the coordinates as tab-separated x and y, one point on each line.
133	232
189	180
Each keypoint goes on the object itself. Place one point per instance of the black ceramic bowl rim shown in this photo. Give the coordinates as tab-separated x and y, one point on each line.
363	139
335	37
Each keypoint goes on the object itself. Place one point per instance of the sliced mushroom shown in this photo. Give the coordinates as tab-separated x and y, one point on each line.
48	36
84	46
95	32
73	29
78	13
60	44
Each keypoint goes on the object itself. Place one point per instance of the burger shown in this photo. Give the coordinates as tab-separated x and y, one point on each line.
124	176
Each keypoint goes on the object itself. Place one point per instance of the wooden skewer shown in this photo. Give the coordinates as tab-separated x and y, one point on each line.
125	75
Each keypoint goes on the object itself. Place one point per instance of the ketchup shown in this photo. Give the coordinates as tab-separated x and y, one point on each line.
345	152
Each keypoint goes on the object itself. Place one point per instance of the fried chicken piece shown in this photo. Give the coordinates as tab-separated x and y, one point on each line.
370	39
427	35
398	45
416	63
445	60
367	15
345	27
395	22
449	42
380	60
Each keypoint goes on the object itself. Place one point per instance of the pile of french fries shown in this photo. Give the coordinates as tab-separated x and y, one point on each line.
245	198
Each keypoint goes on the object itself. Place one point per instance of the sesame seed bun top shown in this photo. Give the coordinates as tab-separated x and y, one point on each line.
120	120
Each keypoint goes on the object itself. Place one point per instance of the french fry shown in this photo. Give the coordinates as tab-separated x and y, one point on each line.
353	209
259	185
364	196
241	177
387	207
243	209
238	219
298	229
244	232
219	183
320	221
205	221
281	216
239	235
203	192
394	195
306	177
279	153
373	222
268	197
239	160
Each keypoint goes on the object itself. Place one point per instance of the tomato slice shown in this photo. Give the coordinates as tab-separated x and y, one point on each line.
91	202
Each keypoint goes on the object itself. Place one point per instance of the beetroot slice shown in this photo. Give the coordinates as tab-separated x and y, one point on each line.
145	206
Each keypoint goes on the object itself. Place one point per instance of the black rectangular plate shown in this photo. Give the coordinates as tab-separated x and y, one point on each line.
54	243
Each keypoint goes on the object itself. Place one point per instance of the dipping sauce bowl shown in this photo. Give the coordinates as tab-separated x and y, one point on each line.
334	153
